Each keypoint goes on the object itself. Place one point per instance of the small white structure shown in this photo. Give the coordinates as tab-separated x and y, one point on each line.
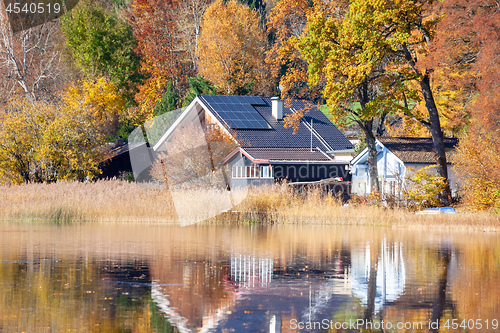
394	157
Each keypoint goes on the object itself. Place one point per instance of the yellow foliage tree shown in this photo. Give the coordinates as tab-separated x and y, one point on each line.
43	142
423	187
231	48
452	94
20	134
99	99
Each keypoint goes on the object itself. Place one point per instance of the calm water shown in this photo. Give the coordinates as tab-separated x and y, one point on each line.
142	278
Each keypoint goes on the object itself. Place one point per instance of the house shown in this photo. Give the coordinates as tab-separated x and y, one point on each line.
117	161
394	157
263	150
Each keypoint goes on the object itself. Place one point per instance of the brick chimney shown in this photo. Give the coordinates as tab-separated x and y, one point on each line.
277	108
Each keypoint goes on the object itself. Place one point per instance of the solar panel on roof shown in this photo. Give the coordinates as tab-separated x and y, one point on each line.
209	99
237	111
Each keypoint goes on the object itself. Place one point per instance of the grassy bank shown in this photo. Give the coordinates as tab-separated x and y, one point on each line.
122	201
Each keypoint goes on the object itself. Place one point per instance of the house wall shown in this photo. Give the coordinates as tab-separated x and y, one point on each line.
309	172
238	160
360	180
391	174
293	172
389	170
116	166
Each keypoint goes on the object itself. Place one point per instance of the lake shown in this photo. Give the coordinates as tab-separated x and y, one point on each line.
283	278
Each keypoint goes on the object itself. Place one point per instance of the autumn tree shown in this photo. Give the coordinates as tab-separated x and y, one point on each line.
231	49
99	99
472	44
102	44
423	188
43	142
350	66
408	28
29	60
288	19
167	33
189	25
400	32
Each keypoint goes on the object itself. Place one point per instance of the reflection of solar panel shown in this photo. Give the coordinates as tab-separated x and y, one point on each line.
238	111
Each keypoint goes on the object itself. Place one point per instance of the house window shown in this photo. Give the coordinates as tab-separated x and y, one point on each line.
252	172
237	172
266	172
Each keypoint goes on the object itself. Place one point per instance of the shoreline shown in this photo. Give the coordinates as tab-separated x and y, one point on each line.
123	202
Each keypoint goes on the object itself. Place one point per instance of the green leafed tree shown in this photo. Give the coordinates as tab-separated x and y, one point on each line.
169	101
102	44
198	86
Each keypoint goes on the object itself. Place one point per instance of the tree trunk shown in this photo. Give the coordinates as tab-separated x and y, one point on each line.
437	138
372	154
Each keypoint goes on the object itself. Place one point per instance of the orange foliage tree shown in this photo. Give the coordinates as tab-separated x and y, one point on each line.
288	19
474	42
231	49
167	33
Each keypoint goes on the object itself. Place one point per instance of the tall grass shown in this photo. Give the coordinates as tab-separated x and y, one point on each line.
283	204
115	200
111	200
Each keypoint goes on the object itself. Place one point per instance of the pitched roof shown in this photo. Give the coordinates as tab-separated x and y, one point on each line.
287	154
327	137
417	150
113	150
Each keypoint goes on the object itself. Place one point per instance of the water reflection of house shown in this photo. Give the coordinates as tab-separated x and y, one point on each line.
380	269
191	292
250	292
251	271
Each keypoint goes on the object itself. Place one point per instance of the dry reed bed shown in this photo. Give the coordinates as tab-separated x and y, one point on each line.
112	200
116	200
283	205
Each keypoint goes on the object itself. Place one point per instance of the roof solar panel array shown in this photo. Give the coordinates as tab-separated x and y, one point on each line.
256	127
238	111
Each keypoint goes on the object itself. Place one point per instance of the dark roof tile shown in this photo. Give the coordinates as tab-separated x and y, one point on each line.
280	137
417	150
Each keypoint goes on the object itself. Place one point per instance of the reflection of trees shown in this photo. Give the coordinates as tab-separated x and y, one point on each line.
377	277
475	286
371	291
440	301
45	294
345	257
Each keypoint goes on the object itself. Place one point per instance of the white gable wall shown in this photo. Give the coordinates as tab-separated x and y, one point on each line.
391	173
391	170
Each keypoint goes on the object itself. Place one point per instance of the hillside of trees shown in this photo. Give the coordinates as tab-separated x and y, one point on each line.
74	83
